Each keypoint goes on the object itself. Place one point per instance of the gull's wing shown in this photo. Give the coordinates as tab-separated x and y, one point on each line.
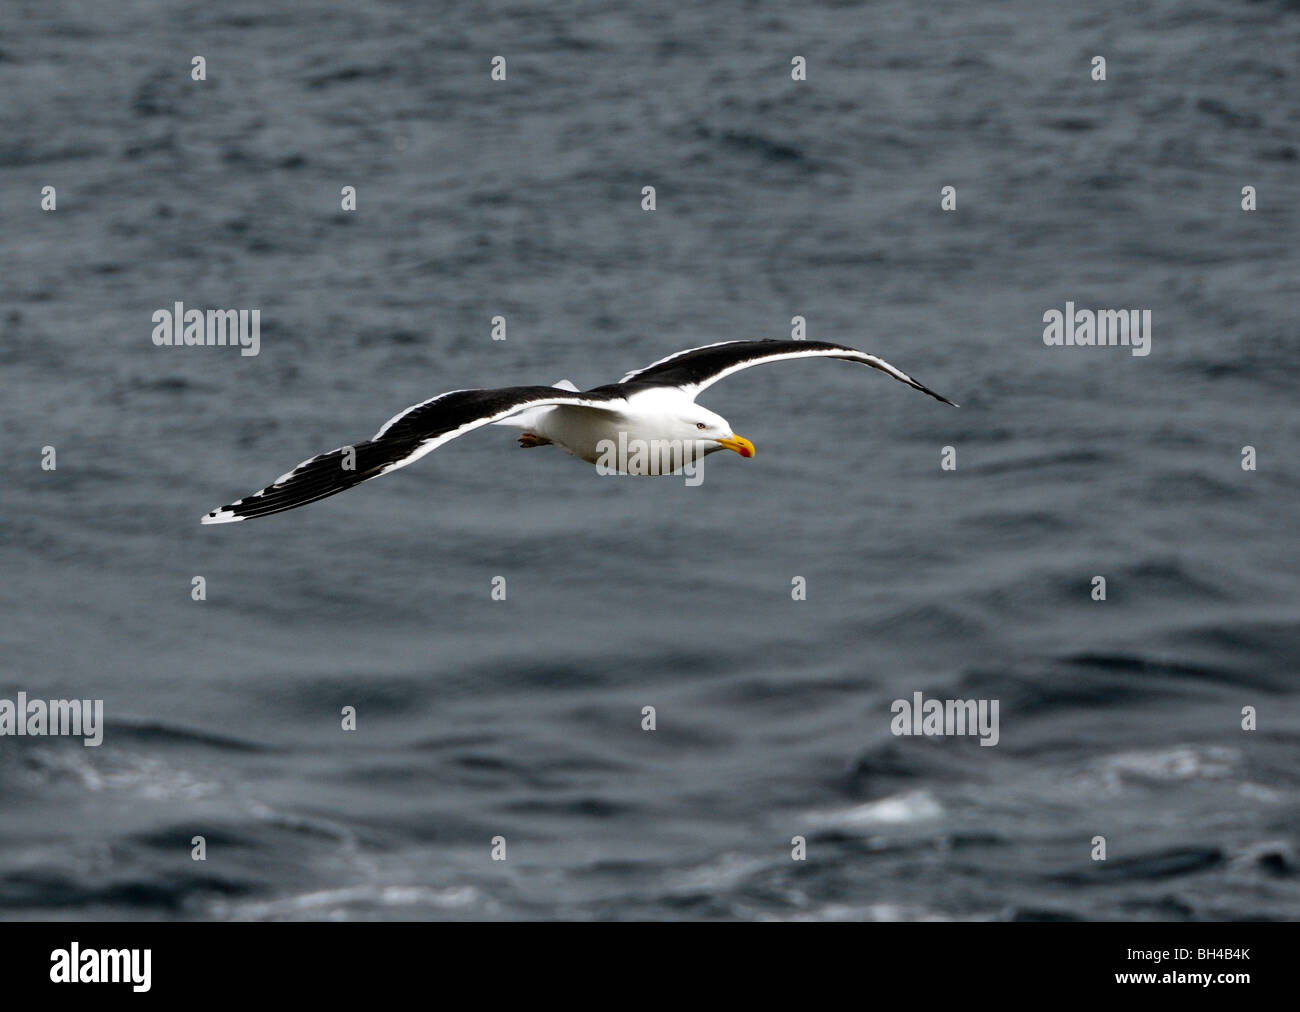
698	369
405	437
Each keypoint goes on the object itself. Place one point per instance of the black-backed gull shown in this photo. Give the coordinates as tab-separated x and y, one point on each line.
654	405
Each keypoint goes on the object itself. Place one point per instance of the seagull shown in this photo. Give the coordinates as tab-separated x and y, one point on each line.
653	406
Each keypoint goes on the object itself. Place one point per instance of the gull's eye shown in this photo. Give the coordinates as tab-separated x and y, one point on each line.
700	425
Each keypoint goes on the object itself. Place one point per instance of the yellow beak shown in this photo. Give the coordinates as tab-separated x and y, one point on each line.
738	443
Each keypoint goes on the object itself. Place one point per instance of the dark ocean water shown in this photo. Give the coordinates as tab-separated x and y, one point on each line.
521	718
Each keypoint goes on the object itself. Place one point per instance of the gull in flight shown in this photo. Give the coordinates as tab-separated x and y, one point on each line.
654	405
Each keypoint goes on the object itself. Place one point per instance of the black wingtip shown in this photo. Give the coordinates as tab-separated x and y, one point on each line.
938	397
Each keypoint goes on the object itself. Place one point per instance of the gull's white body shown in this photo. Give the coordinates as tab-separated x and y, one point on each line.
653	417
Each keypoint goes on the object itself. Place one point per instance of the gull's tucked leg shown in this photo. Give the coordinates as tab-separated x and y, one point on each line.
530	439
